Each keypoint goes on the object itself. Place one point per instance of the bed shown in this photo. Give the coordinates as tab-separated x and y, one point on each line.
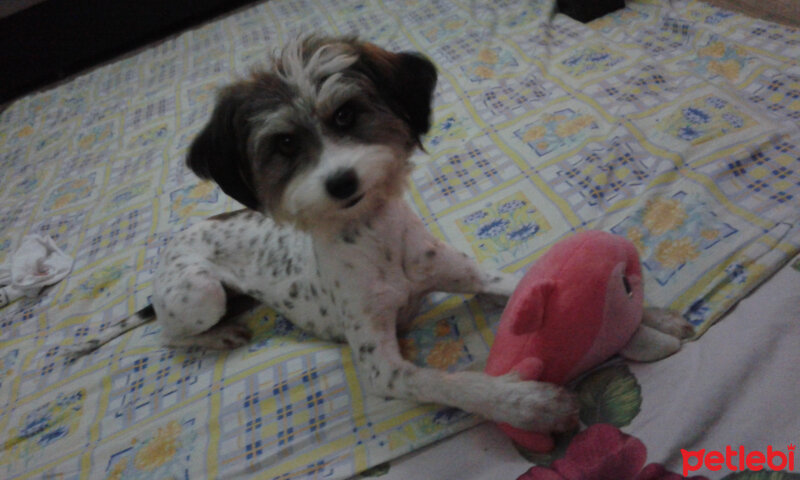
675	124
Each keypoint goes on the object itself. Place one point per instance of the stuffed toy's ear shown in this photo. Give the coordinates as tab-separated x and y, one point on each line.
527	305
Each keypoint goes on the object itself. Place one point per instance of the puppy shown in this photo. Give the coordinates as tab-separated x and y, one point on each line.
317	148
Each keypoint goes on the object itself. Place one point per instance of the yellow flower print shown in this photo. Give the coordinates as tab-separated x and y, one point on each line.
443	328
715	50
487	56
663	215
25	131
116	472
202	190
63	201
636	237
534	133
728	69
101	281
160	449
566	129
574	126
584	121
454	24
601	23
484	72
445	354
709	234
674	253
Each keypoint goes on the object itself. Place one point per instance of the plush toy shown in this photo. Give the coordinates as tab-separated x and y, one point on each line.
577	306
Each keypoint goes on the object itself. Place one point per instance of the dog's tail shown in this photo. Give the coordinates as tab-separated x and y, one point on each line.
139	318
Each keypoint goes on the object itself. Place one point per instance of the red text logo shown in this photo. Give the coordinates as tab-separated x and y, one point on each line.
738	460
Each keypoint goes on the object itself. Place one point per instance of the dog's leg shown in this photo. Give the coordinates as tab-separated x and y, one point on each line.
523	404
456	272
190	311
667	321
649	344
659	335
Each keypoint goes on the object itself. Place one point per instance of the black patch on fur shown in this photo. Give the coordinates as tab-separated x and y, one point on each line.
219	152
289	266
146	312
348	237
227	215
405	81
395	373
364	350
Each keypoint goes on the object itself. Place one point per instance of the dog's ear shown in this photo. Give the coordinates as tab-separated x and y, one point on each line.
219	152
406	81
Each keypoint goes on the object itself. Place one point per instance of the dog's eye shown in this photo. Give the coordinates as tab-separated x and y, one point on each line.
627	286
286	145
344	117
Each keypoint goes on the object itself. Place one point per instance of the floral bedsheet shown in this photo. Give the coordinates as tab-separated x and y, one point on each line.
674	124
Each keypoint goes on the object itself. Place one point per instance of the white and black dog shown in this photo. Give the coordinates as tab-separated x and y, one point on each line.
318	149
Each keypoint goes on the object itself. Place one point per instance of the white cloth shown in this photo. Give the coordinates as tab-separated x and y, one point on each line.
37	263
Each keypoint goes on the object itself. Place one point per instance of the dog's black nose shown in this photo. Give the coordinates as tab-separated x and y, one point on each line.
342	184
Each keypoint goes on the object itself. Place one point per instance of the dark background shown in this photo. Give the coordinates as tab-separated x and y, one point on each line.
53	39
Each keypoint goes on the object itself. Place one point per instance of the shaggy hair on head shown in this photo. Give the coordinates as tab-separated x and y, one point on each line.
319	97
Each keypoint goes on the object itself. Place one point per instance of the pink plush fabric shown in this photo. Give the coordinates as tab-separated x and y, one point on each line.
578	305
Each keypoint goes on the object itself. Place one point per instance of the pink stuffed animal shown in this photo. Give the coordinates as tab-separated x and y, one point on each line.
577	306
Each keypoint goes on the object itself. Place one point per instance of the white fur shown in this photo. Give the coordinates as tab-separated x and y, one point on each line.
305	197
365	277
327	60
347	269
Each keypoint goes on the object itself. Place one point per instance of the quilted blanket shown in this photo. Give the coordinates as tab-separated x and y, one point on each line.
674	124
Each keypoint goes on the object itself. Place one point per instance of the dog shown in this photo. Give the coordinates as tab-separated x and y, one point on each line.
318	149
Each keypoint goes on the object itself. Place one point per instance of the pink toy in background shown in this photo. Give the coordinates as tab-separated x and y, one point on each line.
577	306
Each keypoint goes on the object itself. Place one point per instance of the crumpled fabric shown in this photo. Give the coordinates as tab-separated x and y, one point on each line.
37	263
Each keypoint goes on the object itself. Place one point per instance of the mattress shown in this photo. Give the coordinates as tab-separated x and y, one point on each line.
673	124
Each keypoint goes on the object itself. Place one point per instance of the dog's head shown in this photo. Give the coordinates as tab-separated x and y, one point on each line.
326	133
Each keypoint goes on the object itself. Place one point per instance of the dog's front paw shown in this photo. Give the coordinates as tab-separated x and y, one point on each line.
497	287
220	337
234	336
536	406
668	321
